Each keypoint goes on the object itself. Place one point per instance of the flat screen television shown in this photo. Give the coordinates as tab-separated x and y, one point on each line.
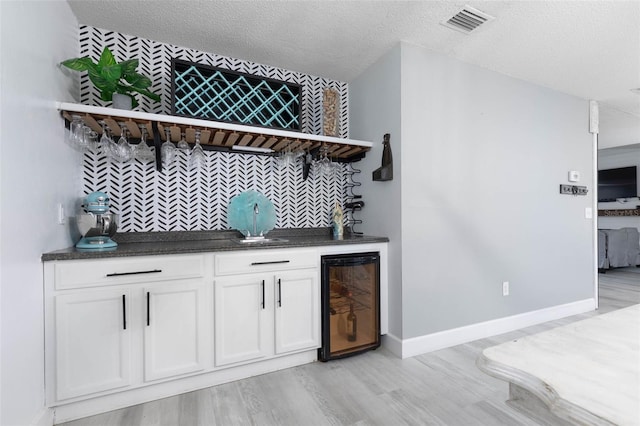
617	183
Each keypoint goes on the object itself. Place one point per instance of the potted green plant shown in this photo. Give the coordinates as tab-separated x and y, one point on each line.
111	77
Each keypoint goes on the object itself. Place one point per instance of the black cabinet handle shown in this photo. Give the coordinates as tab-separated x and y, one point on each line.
119	274
148	314
124	311
279	294
262	294
273	262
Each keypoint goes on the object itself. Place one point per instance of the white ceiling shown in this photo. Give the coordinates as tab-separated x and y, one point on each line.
590	49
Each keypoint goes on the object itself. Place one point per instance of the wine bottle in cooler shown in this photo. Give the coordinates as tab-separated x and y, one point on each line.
352	324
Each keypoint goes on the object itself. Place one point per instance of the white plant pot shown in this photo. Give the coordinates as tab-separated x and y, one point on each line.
121	101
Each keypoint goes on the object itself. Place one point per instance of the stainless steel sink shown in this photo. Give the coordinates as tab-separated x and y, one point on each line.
260	240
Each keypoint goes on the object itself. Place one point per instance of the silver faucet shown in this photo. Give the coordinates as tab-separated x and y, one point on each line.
256	211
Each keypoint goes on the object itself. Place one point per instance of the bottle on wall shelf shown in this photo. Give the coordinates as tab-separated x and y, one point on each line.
352	324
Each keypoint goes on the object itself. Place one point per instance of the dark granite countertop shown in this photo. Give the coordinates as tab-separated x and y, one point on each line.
154	243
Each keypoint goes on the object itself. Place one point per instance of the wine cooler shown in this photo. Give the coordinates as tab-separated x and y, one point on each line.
350	305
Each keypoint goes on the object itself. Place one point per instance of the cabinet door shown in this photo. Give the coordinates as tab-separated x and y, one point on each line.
175	329
297	310
242	318
92	342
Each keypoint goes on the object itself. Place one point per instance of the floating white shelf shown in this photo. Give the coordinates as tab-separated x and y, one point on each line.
215	134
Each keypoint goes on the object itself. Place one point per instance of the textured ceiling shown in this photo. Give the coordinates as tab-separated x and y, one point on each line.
590	49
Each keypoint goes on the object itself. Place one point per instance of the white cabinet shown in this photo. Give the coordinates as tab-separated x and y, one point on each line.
242	315
271	312
297	311
115	324
175	328
124	330
93	342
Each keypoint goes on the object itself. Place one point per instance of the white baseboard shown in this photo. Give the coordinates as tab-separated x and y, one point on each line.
392	344
125	398
44	418
457	336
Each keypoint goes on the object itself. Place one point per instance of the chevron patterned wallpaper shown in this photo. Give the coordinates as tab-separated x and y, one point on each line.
181	200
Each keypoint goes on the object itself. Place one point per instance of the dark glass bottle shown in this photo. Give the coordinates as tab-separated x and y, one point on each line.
352	324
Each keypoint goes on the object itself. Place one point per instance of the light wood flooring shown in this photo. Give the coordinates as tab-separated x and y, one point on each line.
376	388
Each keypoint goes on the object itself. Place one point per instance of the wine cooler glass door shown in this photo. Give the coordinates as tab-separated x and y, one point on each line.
350	304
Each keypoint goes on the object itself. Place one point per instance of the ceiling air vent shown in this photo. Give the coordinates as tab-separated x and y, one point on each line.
467	20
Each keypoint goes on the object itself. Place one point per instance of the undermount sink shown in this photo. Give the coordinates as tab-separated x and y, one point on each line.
260	240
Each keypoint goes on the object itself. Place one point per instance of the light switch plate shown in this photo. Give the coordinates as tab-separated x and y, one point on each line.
588	213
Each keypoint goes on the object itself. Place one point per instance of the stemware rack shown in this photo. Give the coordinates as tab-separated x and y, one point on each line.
214	135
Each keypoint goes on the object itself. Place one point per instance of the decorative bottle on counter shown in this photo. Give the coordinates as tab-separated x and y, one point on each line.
352	324
337	219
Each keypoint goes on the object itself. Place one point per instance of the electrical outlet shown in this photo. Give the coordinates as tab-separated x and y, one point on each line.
505	288
588	213
62	219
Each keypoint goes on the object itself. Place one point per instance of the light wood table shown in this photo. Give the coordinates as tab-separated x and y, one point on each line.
587	372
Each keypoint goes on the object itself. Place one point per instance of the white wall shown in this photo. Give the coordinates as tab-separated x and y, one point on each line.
614	158
37	171
480	156
483	156
374	109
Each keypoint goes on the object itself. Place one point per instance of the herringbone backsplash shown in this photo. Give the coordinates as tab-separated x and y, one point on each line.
177	199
